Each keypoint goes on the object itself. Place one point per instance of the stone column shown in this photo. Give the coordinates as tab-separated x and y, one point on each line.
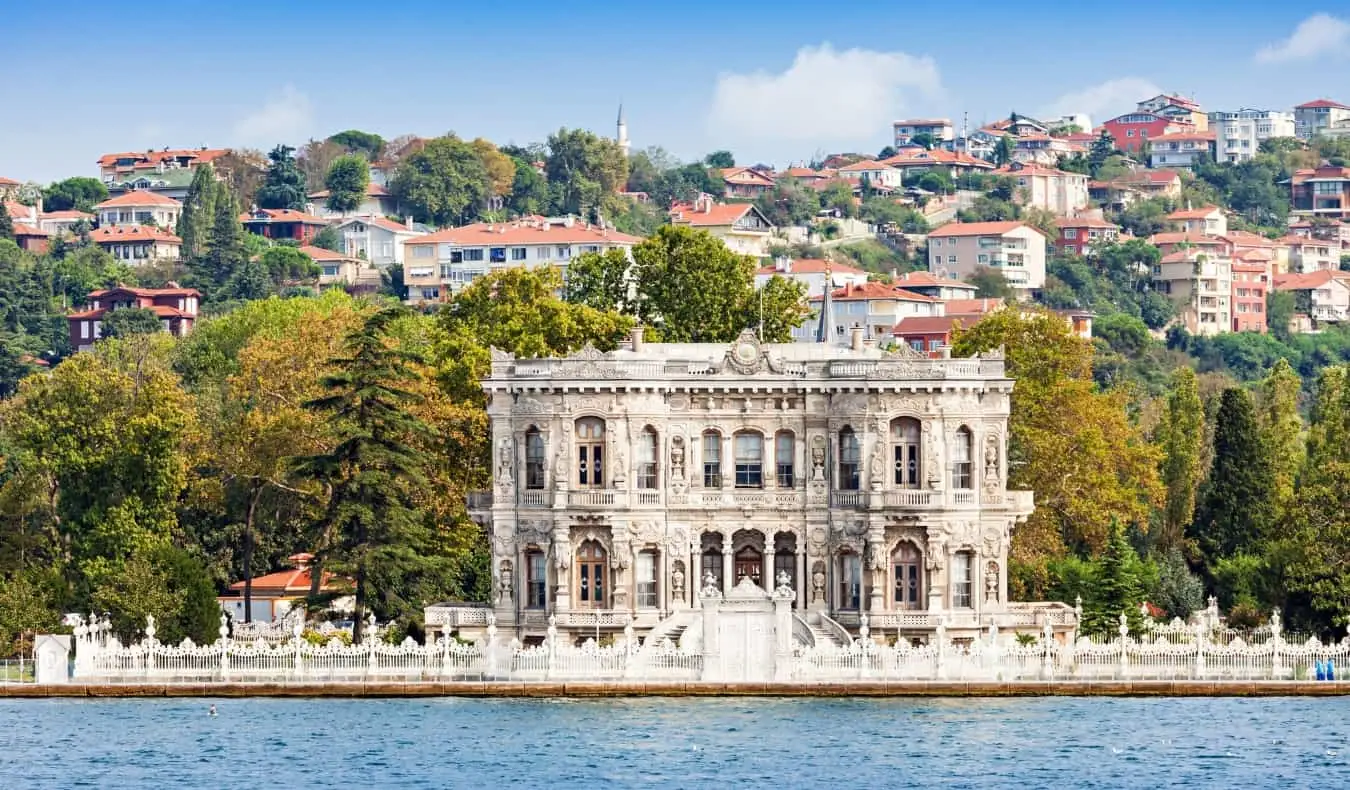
766	567
562	569
728	581
693	576
876	568
803	583
663	580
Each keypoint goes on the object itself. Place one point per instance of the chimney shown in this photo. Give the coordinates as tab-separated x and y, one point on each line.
637	338
407	222
855	340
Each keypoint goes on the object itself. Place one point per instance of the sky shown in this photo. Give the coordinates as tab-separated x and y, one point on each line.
772	82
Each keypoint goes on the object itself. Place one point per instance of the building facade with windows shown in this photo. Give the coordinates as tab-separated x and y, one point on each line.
628	482
1015	249
1317	117
1238	134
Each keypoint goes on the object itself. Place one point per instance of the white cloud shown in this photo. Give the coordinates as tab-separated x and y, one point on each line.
1319	34
286	117
1104	101
826	97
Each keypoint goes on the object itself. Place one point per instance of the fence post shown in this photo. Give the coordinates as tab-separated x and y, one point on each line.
940	671
1124	630
552	639
1276	670
1048	646
864	646
1199	651
491	645
298	636
149	644
372	659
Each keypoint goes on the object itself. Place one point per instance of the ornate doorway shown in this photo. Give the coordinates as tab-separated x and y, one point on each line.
908	569
592	575
750	563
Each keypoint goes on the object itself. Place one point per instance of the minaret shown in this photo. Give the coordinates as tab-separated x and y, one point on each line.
622	132
825	327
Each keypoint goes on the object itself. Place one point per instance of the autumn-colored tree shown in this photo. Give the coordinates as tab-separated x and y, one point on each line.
1074	446
501	169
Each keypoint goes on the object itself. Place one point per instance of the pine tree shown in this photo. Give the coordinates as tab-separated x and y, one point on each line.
199	211
1282	429
1182	438
1118	587
249	281
225	248
6	223
284	184
1237	509
371	531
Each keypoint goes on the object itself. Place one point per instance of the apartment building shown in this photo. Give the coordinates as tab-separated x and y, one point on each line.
939	129
442	263
139	208
1180	150
1238	135
337	270
1307	255
1251	281
944	288
1321	192
1177	108
1058	191
877	174
875	307
812	273
1315	118
137	244
376	239
741	226
1015	249
1204	221
1323	296
1133	131
1080	235
1200	286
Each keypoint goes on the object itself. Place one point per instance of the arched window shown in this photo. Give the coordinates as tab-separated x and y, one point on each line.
849	458
749	449
534	459
590	452
592	575
711	559
906	437
646	458
961	452
785	453
908	569
850	580
712	459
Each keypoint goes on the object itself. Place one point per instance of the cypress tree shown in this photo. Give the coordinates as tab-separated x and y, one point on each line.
1282	429
1237	508
199	211
1118	587
6	223
1182	438
225	248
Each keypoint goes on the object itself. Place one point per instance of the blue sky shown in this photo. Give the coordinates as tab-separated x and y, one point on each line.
772	82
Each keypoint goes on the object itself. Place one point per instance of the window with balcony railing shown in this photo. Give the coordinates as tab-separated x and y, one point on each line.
712	459
749	450
962	450
850	457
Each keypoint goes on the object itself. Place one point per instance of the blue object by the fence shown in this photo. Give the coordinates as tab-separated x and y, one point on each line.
1331	669
1321	670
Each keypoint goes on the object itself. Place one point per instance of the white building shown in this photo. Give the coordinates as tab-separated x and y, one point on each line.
446	261
939	129
813	273
1015	249
627	484
139	208
1315	118
1238	135
376	239
874	307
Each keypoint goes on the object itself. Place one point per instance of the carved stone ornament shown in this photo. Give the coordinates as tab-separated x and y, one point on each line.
505	462
993	542
934	457
746	356
505	582
677	457
876	557
937	550
529	405
588	351
817	457
991	582
903	351
501	356
991	458
818	581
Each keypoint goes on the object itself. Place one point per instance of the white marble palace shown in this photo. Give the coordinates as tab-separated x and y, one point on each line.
629	483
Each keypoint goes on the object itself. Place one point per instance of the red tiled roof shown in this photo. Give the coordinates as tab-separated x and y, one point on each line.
927	280
295	581
321	254
280	215
529	231
1326	171
746	175
1187	238
65	214
150	292
979	229
18	210
930	324
372	190
1302	241
1193	213
1303	282
21	229
875	291
8	182
160	310
139	198
801	172
1035	170
936	156
973	306
154	157
865	165
812	266
1317	104
1150	176
716	215
1085	222
132	233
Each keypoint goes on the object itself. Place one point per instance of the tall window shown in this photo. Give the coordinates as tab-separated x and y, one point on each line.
849	457
905	446
784	451
712	563
961	451
646	579
646	459
534	459
712	459
590	452
908	582
536	580
961	580
850	581
592	572
749	460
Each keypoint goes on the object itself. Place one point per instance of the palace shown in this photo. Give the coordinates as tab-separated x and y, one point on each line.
629	485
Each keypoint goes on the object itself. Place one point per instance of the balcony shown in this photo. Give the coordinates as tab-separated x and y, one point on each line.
848	499
761	498
911	498
595	497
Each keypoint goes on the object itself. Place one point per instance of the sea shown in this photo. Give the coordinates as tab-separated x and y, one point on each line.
1048	742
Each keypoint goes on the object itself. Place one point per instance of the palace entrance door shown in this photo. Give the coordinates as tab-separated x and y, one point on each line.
750	564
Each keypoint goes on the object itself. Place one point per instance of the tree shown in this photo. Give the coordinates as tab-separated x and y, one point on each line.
990	283
1236	508
225	247
444	183
1279	313
370	528
6	225
74	194
130	321
599	280
346	182
501	169
1182	436
886	152
283	186
167	583
692	289
367	144
1102	148
1143	218
1076	447
286	265
789	203
199	211
249	280
1282	432
314	160
1003	150
328	239
924	140
720	159
529	191
243	171
585	169
781	308
1117	589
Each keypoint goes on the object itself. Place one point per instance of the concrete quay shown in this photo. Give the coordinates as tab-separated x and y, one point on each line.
578	689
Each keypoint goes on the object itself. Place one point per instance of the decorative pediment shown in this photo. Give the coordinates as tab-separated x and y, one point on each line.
747	590
500	356
746	356
904	351
589	352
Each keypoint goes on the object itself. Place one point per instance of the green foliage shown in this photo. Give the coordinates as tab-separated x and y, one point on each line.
445	183
30	604
167	583
1279	313
346	182
328	239
887	211
283	185
130	321
1236	510
1117	588
1178	591
584	171
198	216
990	282
1143	218
367	144
599	280
80	193
1182	436
873	256
988	209
1282	432
6	225
789	203
720	159
1250	188
529	191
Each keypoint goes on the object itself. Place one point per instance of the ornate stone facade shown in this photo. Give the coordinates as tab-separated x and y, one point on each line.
875	482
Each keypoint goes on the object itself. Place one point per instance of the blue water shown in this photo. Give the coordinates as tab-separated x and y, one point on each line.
487	744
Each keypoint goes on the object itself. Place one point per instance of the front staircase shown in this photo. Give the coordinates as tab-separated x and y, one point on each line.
676	629
811	626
